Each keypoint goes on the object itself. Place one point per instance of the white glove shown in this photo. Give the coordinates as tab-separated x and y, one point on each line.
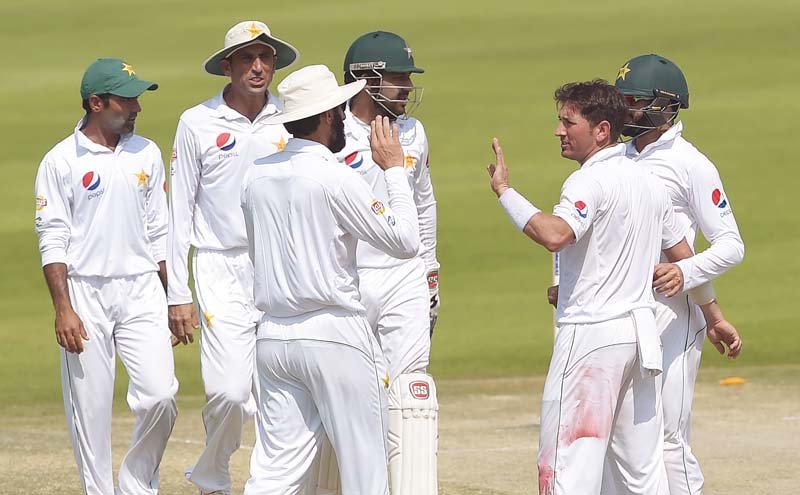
433	290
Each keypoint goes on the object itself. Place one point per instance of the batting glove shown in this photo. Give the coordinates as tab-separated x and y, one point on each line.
433	291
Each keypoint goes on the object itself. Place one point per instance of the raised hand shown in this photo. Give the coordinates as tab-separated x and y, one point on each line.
498	172
384	141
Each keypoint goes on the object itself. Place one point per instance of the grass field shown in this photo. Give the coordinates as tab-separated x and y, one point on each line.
491	71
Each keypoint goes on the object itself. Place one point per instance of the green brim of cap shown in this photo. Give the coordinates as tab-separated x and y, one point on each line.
407	68
134	88
287	54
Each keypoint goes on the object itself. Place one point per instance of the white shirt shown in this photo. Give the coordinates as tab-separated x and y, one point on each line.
102	212
304	214
699	200
214	145
358	156
622	219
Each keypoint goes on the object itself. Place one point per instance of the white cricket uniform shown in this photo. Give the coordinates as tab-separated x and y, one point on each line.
103	213
699	200
603	390
214	144
320	366
395	291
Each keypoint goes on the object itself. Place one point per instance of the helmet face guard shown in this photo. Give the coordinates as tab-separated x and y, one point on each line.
659	111
373	74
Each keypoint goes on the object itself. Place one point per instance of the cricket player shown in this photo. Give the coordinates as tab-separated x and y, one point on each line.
602	391
320	366
655	89
101	219
214	143
401	295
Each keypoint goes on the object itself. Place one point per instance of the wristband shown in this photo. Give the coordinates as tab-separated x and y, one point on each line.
702	294
518	208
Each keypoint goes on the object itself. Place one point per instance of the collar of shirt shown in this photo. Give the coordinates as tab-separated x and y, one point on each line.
604	154
667	138
83	141
355	127
223	111
299	145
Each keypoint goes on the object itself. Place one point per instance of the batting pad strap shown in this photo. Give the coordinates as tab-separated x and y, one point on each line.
518	208
702	294
413	435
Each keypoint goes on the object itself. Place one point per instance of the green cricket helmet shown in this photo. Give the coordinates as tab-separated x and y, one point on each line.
373	54
658	80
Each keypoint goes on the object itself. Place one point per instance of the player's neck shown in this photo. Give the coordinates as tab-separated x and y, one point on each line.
100	136
249	105
648	138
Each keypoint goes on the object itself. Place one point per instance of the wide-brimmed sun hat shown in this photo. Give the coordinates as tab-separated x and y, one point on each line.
310	91
245	34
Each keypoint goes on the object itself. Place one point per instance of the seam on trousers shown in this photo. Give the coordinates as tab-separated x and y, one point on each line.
684	364
560	405
75	421
195	272
575	364
377	386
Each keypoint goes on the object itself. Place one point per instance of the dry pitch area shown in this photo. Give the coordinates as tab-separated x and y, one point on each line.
746	437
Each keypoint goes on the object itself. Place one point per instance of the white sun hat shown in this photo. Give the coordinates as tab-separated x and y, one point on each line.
245	34
310	91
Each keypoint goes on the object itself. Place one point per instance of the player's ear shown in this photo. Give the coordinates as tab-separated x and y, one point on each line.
602	132
225	63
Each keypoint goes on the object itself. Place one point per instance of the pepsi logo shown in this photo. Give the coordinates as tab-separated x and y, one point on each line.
226	141
91	181
353	160
419	390
718	198
581	208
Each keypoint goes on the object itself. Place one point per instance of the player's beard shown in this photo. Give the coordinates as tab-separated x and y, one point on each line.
338	139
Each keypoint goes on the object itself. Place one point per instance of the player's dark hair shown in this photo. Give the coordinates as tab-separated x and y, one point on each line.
104	97
303	127
597	101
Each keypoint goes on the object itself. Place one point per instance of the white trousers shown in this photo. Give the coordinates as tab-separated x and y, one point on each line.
682	333
126	315
310	388
228	317
398	306
596	402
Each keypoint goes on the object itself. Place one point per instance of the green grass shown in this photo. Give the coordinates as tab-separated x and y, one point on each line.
492	68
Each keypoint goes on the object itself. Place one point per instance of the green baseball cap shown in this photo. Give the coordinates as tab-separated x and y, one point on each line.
380	50
113	76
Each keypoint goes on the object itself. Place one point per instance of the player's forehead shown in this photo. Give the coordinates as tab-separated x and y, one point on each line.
252	51
569	111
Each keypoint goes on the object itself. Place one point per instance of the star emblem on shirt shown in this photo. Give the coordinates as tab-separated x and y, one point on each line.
209	318
142	177
129	69
254	30
623	71
385	381
410	160
279	144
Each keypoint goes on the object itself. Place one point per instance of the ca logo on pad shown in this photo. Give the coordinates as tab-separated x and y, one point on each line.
419	390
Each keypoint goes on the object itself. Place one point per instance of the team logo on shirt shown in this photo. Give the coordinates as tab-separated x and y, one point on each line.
377	207
353	160
41	202
91	181
582	208
419	390
719	199
226	141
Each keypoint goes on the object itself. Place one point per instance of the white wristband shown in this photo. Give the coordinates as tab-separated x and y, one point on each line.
702	294
518	208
